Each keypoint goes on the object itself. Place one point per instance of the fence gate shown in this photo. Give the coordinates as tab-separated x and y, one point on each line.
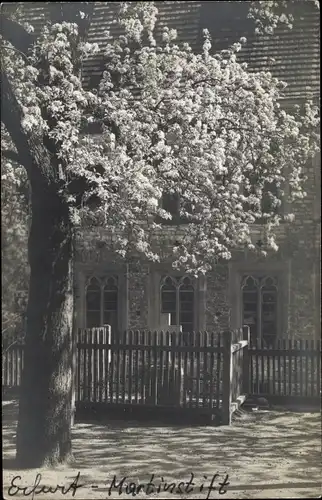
236	371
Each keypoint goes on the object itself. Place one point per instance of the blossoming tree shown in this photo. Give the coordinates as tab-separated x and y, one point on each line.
199	126
14	232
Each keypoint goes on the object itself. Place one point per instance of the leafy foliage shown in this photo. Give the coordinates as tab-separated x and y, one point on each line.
268	15
14	234
200	126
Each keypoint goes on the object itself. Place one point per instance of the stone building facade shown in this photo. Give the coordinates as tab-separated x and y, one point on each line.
279	294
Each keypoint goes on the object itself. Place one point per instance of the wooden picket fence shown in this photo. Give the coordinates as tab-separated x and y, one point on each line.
203	373
12	365
196	372
287	369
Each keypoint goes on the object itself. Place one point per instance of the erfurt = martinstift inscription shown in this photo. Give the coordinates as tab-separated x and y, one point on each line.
207	486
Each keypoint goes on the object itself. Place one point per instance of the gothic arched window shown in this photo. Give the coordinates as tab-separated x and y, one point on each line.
186	305
260	306
177	299
250	304
93	303
169	299
101	302
269	308
110	303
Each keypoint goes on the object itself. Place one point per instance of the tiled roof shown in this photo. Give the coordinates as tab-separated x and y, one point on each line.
296	52
183	16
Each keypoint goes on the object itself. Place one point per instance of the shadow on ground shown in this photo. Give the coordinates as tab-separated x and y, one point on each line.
272	454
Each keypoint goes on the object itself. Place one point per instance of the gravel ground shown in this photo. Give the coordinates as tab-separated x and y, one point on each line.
266	454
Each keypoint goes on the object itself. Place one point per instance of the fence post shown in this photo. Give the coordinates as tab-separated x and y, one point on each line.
227	378
107	361
246	359
108	340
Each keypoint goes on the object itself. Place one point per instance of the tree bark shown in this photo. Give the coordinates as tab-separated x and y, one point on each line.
45	407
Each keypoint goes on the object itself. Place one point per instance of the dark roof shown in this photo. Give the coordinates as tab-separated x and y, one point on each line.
296	52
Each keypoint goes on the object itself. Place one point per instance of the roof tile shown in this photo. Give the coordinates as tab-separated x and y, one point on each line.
296	52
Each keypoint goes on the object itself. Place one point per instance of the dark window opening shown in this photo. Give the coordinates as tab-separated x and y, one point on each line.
268	204
172	203
102	303
169	300
177	299
259	297
93	304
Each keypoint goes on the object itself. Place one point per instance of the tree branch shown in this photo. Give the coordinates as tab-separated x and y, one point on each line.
13	49
33	154
38	156
16	34
206	80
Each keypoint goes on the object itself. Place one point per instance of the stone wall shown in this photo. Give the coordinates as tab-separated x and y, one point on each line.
303	249
218	306
138	299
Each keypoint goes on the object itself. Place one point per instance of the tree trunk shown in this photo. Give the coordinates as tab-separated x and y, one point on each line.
44	423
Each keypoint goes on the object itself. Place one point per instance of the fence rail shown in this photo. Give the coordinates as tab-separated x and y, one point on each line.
209	372
291	368
151	368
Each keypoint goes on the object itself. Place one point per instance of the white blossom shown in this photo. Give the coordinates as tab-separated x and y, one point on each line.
199	125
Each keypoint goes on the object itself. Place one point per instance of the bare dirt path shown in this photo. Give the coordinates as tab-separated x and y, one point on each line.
274	454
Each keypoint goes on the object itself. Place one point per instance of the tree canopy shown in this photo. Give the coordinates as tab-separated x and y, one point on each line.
197	125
